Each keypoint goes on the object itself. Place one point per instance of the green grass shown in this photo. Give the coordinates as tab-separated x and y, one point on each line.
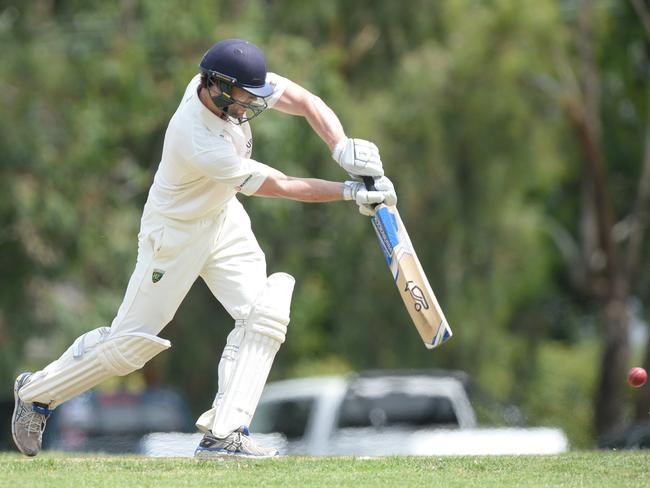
589	469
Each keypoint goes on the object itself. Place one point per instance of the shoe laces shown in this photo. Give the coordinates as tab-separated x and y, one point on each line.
238	441
243	436
34	422
244	442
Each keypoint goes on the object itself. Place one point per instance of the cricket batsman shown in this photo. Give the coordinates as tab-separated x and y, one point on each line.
193	226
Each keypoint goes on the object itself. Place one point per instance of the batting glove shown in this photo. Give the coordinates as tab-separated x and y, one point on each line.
358	157
384	192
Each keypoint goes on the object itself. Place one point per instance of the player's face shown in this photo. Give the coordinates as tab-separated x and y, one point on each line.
242	95
246	106
243	98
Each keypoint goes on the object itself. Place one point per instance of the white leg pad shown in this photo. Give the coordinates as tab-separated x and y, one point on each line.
226	369
264	332
92	358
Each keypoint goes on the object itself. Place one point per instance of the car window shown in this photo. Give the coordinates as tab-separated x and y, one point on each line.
288	417
396	409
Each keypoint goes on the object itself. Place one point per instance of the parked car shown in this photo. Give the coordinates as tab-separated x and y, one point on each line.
389	413
115	422
374	413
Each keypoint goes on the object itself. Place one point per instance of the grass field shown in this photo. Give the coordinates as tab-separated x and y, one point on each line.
588	469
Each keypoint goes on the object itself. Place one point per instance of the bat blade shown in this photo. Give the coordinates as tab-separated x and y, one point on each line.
412	283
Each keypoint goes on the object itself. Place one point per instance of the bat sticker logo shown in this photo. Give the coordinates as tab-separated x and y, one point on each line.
418	296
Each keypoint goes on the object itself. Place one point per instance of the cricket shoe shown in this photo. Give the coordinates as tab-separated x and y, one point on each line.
28	421
237	444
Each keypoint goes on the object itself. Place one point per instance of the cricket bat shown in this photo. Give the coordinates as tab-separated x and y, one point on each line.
412	283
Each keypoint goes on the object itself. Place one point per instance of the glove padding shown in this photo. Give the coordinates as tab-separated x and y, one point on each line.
384	192
358	157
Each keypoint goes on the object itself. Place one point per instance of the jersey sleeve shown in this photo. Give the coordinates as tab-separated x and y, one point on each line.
257	173
279	84
228	168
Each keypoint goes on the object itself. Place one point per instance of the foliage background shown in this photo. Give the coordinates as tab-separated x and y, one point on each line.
466	100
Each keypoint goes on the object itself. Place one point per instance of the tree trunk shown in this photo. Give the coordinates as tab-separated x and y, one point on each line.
609	410
612	289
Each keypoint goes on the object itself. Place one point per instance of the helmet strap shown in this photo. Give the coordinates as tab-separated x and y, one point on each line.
224	99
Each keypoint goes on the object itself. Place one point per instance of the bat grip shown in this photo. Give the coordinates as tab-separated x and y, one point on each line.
369	181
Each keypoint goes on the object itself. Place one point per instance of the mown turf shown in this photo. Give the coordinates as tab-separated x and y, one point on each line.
588	469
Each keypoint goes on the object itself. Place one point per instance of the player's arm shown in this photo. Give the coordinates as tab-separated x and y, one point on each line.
296	100
356	156
279	185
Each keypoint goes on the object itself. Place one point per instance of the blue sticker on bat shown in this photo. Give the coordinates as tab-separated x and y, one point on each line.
386	228
446	336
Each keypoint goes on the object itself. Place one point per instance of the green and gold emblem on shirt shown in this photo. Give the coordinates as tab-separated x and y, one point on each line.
157	275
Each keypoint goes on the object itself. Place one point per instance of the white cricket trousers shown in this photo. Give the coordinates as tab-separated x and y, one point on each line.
172	254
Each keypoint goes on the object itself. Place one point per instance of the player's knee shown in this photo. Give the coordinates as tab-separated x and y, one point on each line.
269	315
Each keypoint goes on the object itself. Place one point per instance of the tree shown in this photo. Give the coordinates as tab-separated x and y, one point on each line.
611	232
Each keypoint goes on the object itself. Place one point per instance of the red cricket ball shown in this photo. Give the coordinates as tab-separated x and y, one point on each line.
637	377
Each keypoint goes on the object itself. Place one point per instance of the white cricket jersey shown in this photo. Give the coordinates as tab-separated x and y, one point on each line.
206	160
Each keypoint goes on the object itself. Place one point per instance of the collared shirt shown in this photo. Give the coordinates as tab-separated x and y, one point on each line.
206	160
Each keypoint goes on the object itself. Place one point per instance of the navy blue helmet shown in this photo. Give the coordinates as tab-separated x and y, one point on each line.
236	62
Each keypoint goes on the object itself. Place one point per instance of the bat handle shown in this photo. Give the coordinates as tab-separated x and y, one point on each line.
369	181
